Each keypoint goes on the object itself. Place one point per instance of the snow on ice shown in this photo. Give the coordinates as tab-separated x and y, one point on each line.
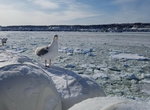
128	56
110	103
72	87
71	51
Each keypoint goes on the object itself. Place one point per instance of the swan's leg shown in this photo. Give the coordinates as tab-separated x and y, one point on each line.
45	62
49	62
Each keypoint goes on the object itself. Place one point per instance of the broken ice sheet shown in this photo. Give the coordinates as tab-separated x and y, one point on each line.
129	56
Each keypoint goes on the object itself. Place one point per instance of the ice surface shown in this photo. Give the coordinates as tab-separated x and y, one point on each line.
110	103
145	86
121	77
17	50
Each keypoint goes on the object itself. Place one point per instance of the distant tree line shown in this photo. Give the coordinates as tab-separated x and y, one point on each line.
126	27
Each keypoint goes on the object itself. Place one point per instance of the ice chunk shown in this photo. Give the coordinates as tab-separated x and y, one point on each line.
130	77
71	51
66	50
128	56
100	75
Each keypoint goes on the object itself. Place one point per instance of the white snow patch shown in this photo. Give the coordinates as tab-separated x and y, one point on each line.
72	87
7	58
110	103
27	87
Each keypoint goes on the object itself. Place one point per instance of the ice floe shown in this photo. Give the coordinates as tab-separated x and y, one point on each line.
71	51
130	77
100	75
129	56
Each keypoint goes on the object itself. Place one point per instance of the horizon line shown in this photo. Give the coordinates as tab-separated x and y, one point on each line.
73	24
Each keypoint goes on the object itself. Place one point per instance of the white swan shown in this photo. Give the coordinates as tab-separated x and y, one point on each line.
48	52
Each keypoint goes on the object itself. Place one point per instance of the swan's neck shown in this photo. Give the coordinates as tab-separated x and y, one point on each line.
54	42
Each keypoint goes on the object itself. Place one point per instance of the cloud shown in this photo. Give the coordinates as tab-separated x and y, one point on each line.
47	12
11	15
45	4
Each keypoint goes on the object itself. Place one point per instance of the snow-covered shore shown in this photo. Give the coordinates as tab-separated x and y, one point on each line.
111	103
26	84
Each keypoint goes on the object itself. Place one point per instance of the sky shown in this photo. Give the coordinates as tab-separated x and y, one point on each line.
73	12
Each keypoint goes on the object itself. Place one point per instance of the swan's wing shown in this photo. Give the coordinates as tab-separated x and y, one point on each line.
42	51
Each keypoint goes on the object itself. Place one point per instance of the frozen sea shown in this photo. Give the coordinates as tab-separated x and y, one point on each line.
120	62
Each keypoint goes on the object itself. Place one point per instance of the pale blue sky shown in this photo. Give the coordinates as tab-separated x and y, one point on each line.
50	12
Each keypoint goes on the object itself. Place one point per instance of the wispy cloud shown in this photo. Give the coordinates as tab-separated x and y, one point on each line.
11	15
46	12
46	4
